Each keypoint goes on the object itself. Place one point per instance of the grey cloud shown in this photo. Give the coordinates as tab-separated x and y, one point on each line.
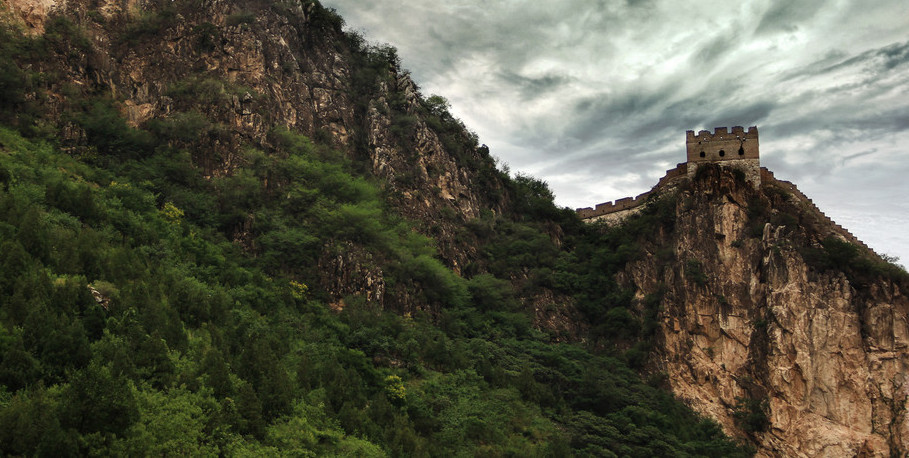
641	117
749	114
859	155
873	61
531	88
786	16
620	112
804	78
885	58
843	123
713	50
895	55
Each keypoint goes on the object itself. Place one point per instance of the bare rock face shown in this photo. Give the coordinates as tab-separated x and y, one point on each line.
33	13
351	271
247	67
822	359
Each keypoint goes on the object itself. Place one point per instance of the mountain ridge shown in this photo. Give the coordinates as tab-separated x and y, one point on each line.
777	316
337	254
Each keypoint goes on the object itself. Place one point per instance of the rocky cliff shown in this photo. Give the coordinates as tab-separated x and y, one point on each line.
235	71
770	322
774	325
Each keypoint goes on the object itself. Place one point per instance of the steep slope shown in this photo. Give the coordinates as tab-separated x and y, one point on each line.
218	78
218	202
776	325
228	228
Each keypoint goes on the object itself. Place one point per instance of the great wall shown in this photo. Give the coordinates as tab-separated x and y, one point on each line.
738	149
767	178
601	211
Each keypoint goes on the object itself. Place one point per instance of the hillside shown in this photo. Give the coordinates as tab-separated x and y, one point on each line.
230	227
777	322
235	229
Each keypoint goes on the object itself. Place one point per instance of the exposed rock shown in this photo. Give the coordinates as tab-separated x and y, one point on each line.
33	13
100	298
552	313
830	357
247	67
350	271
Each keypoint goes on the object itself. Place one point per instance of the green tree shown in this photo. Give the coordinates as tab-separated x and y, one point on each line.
98	401
29	425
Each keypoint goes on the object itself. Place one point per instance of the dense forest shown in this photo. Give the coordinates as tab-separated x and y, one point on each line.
135	321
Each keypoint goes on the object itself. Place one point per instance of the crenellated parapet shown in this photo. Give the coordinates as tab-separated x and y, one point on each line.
631	203
606	208
737	148
722	145
767	177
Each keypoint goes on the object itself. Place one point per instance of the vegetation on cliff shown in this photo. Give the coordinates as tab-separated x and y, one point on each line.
150	306
191	345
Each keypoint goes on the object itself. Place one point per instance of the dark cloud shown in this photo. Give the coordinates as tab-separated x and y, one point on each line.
748	114
859	155
639	3
874	60
534	87
784	16
715	48
595	96
895	55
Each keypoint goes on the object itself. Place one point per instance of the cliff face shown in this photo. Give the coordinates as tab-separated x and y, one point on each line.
247	67
799	357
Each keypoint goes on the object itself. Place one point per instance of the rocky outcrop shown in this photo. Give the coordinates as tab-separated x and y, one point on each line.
33	13
749	327
349	271
244	67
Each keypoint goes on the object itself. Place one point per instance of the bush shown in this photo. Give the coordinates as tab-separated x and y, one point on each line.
490	293
751	414
149	24
108	131
207	36
240	18
694	271
438	283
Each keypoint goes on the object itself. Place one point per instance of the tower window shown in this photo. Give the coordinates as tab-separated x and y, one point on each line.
741	151
722	153
703	154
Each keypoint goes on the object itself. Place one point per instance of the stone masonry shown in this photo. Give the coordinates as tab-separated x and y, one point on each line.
738	149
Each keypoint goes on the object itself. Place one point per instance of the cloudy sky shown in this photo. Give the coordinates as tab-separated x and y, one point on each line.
595	96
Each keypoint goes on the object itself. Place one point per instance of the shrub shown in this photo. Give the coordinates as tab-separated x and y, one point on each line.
108	131
148	25
207	36
751	414
240	18
438	283
694	271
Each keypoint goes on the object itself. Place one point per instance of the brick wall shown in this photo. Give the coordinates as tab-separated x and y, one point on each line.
722	145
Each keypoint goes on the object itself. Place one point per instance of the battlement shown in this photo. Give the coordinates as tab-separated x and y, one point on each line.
737	148
720	133
822	220
722	145
611	207
630	203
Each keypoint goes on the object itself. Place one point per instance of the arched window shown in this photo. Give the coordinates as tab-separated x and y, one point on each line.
703	154
722	153
741	151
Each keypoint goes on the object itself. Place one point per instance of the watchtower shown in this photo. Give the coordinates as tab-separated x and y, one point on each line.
738	149
722	145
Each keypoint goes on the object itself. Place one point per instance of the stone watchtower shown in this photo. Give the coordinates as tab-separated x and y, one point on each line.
737	149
